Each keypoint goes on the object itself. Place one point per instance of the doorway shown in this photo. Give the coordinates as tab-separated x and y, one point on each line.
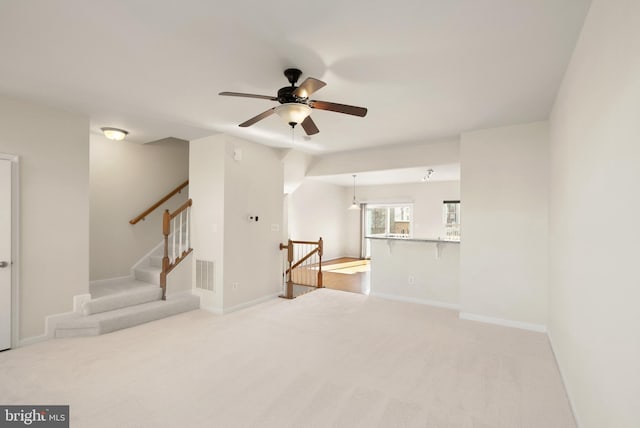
6	211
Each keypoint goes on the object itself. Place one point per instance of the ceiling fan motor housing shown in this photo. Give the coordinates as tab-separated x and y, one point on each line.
286	95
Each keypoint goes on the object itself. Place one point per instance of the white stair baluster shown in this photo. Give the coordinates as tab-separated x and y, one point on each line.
188	231
180	240
173	238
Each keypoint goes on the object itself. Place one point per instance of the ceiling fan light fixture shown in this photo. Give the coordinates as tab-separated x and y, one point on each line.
293	112
115	134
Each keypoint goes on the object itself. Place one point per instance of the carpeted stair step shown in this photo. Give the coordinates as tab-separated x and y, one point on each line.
155	261
150	274
106	322
102	288
110	302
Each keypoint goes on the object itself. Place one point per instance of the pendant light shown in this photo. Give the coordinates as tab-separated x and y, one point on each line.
354	205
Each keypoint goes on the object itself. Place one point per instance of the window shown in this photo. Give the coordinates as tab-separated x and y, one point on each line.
388	220
451	219
402	213
391	220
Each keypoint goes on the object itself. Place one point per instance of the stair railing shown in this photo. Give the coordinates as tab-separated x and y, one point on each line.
176	229
153	207
303	265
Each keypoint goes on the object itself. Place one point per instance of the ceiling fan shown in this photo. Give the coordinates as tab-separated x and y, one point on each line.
295	106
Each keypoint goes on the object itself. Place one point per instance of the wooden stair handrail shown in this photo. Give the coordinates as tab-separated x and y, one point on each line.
180	209
304	259
160	202
319	250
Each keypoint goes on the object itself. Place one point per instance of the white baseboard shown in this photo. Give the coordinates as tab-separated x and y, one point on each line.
212	309
207	299
435	303
32	340
540	328
80	300
50	321
250	303
564	381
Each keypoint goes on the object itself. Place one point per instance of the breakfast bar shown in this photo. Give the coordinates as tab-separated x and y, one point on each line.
416	270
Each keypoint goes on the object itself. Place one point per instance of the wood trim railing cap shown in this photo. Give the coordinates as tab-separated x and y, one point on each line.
153	207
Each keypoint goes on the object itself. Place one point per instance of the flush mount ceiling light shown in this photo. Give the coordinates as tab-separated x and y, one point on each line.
114	133
354	205
428	175
293	113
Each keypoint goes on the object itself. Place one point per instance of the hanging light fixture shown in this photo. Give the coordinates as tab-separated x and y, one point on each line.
354	205
114	133
293	113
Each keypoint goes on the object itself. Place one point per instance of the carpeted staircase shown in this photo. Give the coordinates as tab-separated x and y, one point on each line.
119	304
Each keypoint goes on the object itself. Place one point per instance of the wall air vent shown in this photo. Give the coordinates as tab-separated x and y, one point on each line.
204	275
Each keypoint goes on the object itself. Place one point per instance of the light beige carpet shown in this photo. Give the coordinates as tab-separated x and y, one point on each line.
326	359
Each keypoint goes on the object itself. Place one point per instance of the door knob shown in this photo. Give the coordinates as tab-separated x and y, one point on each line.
4	264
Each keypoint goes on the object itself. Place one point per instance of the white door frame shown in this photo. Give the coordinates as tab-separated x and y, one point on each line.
15	248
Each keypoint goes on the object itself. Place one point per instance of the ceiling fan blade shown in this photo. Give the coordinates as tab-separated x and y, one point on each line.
257	118
309	126
339	108
240	94
308	87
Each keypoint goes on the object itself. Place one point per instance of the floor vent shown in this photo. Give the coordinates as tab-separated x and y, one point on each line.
204	275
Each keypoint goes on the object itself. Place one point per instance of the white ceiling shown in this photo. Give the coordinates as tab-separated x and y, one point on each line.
449	172
425	68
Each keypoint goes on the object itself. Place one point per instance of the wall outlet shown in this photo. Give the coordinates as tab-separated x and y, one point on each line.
234	285
411	280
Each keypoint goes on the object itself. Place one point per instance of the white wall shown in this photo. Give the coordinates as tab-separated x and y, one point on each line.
504	228
127	178
225	192
594	321
420	272
295	165
253	186
206	188
387	157
53	146
317	209
427	201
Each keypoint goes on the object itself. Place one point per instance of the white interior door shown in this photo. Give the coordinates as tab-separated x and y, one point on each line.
5	254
